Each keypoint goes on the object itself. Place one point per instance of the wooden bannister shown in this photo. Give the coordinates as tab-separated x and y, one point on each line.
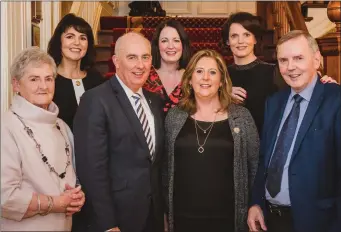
330	44
294	15
281	16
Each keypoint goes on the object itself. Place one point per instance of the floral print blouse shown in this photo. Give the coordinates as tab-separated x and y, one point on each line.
154	84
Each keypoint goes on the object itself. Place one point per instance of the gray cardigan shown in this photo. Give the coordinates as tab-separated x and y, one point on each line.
246	149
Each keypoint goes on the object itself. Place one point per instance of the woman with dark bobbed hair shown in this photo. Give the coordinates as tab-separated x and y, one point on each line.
253	79
72	48
171	53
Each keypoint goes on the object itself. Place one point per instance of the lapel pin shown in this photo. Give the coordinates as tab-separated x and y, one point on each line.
236	130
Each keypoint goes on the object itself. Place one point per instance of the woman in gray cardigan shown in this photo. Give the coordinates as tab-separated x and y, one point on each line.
212	152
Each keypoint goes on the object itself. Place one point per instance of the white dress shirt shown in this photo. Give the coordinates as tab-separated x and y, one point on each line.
149	114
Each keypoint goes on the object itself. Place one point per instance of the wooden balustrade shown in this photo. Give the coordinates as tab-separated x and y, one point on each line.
330	44
281	16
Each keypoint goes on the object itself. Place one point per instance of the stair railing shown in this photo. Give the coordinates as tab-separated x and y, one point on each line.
287	16
330	44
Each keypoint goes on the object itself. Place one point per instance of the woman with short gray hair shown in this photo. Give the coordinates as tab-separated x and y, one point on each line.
38	181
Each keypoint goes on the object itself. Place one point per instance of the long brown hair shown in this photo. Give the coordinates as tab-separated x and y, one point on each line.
186	48
188	101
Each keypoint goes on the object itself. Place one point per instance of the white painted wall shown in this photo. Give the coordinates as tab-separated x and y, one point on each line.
198	8
15	36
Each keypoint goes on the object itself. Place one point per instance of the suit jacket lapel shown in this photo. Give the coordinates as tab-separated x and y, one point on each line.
129	111
314	105
157	121
275	123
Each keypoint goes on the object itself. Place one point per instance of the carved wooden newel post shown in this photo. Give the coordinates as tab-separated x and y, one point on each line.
330	44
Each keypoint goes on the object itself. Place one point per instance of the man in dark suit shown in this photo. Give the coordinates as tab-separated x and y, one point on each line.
118	133
298	183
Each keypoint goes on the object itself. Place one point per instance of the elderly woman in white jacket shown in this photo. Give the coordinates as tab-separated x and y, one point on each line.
38	180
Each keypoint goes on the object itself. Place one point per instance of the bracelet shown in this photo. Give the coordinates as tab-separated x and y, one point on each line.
49	206
38	200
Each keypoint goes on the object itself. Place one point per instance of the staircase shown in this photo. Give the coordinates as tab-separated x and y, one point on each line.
203	33
316	17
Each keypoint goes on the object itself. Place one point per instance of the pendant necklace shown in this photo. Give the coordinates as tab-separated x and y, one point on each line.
201	148
204	130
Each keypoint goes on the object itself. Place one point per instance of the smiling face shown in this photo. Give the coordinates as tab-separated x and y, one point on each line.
170	45
298	63
37	85
206	79
133	60
74	44
241	41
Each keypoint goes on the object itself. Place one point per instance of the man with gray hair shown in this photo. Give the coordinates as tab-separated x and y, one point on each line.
118	131
298	183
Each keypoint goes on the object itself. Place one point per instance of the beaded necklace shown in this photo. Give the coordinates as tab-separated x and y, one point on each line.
43	157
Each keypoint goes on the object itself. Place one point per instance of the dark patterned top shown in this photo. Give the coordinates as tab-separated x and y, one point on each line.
154	84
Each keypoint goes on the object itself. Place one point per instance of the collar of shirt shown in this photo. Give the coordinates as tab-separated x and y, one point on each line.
127	90
305	93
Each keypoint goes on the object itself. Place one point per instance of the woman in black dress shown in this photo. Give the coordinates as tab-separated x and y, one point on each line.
72	48
253	79
212	152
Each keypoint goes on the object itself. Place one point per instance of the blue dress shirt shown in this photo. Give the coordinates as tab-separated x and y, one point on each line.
283	197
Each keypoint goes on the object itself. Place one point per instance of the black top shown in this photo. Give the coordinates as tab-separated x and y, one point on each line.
65	96
203	182
260	80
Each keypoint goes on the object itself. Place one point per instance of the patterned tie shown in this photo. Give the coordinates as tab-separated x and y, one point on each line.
144	122
284	142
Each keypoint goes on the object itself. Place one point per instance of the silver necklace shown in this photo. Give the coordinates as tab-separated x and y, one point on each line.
201	146
43	157
204	130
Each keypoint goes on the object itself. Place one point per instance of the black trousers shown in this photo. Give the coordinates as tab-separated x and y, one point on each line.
279	218
185	224
150	223
80	222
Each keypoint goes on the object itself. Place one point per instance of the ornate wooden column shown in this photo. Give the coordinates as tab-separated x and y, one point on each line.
330	44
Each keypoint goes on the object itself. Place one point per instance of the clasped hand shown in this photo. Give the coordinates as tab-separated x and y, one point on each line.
72	199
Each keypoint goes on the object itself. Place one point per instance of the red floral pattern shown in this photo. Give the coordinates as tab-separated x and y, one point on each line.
154	84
